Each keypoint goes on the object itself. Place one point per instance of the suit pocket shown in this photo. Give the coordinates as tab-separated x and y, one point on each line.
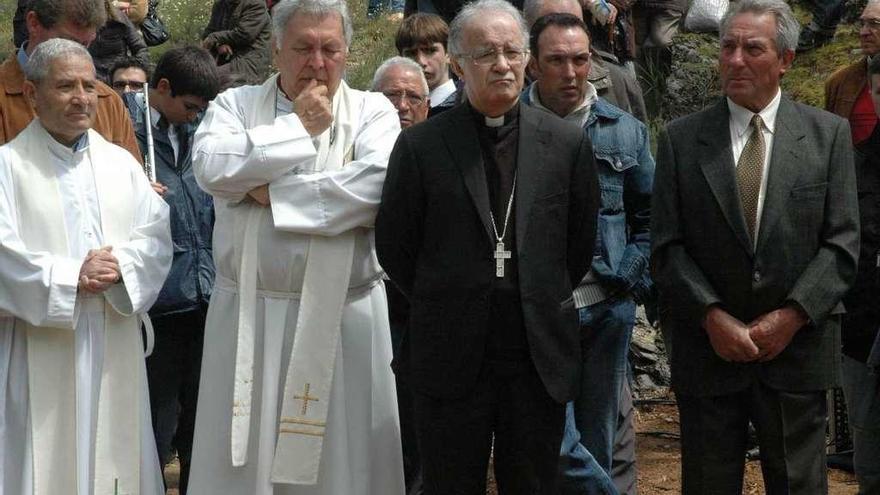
809	191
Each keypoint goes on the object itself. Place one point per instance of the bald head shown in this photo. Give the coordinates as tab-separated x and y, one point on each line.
535	9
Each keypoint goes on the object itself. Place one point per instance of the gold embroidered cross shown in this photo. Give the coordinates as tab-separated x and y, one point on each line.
306	398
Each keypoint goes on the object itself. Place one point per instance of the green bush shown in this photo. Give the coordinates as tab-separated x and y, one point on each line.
373	40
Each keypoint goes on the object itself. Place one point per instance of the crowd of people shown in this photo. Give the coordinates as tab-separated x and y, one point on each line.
303	288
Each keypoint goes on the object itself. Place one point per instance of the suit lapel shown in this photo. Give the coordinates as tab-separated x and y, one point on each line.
464	147
531	146
783	173
719	170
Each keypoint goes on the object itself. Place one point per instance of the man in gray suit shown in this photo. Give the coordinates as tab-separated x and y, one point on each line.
754	242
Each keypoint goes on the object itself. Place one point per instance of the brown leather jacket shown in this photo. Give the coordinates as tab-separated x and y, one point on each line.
111	122
844	86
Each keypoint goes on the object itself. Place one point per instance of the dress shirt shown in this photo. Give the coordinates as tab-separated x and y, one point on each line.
439	94
740	130
173	137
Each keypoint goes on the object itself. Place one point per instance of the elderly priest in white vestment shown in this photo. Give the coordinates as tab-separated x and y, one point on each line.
297	394
84	248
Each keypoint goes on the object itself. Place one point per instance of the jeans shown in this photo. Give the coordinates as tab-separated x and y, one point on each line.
579	472
862	392
606	327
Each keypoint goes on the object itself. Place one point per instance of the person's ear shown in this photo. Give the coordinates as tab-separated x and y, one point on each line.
456	68
163	87
30	92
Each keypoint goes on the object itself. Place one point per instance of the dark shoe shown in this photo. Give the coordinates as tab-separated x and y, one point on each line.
810	40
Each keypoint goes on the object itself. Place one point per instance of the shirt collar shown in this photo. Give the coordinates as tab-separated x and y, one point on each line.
741	117
439	94
22	55
580	113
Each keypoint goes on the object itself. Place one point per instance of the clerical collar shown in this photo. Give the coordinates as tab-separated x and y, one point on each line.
509	118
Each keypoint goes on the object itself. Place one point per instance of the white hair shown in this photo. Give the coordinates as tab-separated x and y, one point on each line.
788	28
483	9
404	63
285	11
37	67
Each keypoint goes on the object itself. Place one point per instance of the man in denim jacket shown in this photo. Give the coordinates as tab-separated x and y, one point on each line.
606	298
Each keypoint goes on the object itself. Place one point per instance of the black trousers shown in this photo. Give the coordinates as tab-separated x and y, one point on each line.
512	408
398	316
173	374
791	434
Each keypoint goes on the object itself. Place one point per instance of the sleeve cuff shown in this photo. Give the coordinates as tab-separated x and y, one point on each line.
119	295
62	293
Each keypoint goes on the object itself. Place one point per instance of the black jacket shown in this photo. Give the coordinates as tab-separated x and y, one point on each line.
115	39
862	306
434	239
806	250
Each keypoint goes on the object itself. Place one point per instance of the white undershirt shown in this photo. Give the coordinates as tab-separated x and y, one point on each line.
740	130
439	94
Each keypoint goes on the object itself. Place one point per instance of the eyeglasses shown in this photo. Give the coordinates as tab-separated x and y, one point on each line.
488	57
412	99
873	23
121	84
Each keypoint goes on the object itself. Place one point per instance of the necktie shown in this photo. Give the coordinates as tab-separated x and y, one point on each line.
749	171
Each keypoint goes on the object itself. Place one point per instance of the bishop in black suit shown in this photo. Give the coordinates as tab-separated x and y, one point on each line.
487	222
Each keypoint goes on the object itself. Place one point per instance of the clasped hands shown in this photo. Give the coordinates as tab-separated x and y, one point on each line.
312	106
99	271
761	340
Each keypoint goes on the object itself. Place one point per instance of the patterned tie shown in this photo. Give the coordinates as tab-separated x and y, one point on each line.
749	171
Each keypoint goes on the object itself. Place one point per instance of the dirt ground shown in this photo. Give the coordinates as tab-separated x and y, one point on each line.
658	459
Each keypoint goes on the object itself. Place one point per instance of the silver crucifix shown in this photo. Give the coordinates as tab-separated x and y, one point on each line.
500	256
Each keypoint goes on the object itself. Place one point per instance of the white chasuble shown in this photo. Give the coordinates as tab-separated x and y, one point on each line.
297	395
73	375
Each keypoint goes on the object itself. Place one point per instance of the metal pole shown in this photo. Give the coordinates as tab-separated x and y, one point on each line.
150	158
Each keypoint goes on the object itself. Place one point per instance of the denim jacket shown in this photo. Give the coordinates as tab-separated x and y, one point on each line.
626	175
191	279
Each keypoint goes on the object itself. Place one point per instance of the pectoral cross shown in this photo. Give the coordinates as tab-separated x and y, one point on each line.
500	255
306	398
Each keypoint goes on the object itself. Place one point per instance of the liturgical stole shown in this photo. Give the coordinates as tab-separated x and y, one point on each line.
309	377
51	352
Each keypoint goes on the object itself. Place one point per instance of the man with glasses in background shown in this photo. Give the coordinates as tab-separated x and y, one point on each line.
403	82
129	75
487	223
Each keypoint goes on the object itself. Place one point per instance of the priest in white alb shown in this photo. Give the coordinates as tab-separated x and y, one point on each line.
84	248
297	395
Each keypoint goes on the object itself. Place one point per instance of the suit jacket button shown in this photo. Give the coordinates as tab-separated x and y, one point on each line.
756	276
